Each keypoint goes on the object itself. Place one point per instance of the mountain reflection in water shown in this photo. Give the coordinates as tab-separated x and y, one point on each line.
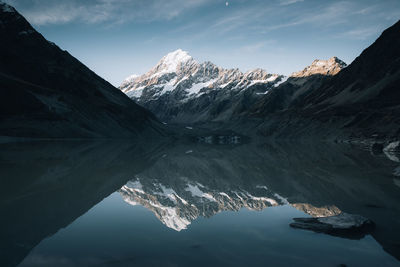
47	186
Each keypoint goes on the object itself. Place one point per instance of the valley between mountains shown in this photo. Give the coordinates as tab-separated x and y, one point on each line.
47	93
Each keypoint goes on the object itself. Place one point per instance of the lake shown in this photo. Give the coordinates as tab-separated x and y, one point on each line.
194	204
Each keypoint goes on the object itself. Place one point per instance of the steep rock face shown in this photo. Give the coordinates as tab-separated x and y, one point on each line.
361	101
179	89
45	92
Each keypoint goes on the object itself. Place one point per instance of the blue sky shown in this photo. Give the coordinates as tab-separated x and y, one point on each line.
117	38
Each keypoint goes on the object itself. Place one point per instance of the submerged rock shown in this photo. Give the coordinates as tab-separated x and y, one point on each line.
392	147
344	225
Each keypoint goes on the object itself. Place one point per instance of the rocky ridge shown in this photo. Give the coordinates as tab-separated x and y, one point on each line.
179	71
179	89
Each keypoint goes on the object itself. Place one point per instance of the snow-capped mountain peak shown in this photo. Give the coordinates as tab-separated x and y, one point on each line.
178	80
172	60
181	77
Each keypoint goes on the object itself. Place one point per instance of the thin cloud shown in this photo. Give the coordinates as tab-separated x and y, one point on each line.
42	12
360	33
289	2
255	47
334	14
240	19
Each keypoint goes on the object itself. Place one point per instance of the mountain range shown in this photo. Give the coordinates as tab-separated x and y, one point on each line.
362	101
181	90
327	99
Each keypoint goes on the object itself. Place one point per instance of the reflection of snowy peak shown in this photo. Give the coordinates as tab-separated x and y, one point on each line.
324	211
177	207
178	79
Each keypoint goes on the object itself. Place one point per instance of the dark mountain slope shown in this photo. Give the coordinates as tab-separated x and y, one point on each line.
361	101
45	92
373	77
282	97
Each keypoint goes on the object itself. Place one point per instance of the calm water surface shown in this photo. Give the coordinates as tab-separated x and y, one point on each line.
124	204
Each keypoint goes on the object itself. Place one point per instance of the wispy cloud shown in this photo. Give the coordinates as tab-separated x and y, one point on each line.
261	20
289	2
238	19
255	47
360	33
332	14
41	12
328	15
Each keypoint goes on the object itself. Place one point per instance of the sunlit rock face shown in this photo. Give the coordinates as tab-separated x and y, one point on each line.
177	207
331	66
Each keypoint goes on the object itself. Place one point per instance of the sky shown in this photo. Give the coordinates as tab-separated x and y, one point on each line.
118	38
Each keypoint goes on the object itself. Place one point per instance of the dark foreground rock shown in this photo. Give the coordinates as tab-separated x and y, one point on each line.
343	225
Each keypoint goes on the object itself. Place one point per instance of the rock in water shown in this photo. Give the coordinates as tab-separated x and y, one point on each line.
344	225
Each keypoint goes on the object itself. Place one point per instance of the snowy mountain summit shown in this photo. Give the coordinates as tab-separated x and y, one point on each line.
178	79
178	71
172	61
